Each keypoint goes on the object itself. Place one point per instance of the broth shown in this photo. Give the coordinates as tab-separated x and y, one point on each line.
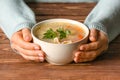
76	32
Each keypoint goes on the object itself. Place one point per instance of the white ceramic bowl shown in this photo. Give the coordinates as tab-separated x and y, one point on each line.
59	54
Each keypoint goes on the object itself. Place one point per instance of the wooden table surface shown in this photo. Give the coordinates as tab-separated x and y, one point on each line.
14	67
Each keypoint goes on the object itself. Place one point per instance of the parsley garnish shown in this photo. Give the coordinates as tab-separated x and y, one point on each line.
50	34
63	33
60	33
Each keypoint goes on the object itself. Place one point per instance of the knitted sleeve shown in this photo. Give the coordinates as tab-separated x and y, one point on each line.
15	15
105	17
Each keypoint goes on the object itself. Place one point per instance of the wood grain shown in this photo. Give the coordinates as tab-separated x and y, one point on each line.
14	67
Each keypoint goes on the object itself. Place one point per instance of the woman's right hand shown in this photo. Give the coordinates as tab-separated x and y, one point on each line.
21	42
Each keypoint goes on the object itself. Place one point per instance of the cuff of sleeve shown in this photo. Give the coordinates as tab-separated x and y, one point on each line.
98	26
21	26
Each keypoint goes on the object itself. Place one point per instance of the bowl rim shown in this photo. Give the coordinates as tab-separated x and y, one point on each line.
56	19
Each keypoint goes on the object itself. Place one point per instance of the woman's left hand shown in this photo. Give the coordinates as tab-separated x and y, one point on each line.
89	51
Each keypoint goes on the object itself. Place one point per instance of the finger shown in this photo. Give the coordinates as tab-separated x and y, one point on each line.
29	52
29	55
26	34
76	56
88	56
93	35
37	59
79	55
86	60
90	46
18	40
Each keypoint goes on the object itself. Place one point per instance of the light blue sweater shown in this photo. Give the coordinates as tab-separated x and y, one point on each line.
15	15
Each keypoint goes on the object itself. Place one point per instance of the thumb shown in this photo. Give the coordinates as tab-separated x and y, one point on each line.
93	35
26	34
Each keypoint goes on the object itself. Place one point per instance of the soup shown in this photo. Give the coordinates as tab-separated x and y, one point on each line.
59	32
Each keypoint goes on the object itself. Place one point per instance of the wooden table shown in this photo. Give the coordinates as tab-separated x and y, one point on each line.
14	67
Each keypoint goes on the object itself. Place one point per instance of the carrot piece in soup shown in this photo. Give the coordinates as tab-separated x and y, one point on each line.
80	36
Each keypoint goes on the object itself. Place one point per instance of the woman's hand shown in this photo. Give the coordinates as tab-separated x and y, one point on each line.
21	42
89	51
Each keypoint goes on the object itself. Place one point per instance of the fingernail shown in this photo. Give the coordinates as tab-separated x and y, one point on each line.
76	55
76	61
93	38
40	55
27	38
41	59
81	48
36	48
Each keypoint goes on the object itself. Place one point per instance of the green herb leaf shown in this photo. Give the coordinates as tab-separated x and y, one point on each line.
60	33
67	32
50	34
63	33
